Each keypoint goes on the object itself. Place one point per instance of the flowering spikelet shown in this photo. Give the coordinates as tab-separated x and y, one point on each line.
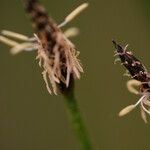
140	79
56	53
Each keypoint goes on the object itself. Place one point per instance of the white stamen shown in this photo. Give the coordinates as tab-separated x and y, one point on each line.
131	84
126	110
15	35
20	47
71	32
129	108
73	14
8	42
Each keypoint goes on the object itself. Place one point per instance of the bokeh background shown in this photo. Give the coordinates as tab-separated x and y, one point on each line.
31	119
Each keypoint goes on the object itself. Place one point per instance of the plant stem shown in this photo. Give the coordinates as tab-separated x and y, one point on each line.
76	121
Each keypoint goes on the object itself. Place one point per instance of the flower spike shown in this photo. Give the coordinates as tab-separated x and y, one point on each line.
140	82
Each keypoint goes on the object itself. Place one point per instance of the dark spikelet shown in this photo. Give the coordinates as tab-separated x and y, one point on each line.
45	27
131	63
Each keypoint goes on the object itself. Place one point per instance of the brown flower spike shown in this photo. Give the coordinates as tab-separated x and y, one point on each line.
56	53
140	79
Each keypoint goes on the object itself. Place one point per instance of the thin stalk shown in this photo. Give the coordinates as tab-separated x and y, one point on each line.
77	121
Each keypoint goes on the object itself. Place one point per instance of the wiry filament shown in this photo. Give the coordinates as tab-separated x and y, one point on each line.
143	115
144	102
140	100
44	73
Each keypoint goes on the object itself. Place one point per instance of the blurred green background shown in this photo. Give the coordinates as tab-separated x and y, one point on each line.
31	119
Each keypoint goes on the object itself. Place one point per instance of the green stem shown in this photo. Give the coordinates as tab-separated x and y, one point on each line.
77	122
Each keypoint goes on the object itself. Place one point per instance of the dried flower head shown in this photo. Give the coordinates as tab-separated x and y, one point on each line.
56	53
140	82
